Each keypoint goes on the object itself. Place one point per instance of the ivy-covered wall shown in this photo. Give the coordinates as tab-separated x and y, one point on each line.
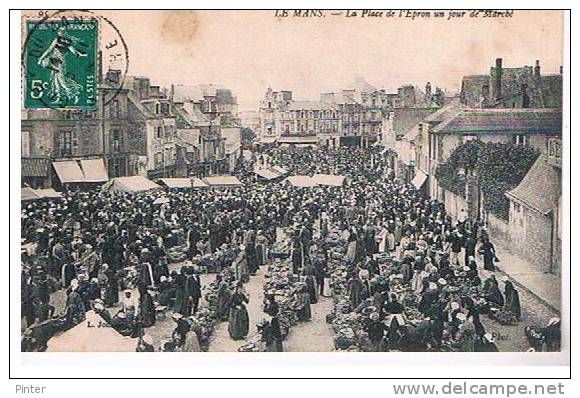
500	167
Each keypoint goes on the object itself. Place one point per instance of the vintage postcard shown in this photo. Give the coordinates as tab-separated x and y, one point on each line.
292	181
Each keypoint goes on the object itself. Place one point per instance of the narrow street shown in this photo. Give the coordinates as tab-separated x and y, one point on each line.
221	340
313	336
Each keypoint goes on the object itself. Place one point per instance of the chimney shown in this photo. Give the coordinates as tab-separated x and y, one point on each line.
561	69
497	79
537	69
428	90
113	77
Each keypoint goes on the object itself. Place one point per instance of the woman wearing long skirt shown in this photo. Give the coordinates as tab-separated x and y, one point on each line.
191	341
241	266
179	305
223	300
302	303
239	320
488	251
309	275
297	257
146	307
262	248
382	239
512	300
352	249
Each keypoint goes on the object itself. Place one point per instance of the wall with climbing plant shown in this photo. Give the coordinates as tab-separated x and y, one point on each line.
500	167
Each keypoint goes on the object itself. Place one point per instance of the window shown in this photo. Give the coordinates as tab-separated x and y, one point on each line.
555	148
25	143
159	132
157	108
115	109
115	141
64	143
520	139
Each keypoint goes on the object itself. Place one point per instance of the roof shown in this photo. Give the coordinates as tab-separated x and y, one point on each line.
86	338
481	79
34	167
267	140
183	182
405	119
447	112
48	193
129	184
301	181
69	171
419	179
309	106
298	139
412	134
27	193
183	93
94	170
552	90
473	121
193	116
329	179
267	173
279	169
540	189
223	181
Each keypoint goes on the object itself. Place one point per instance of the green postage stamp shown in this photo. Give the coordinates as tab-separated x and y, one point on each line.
60	63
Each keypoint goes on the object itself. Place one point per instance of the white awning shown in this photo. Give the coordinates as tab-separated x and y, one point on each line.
329	179
94	170
27	193
267	173
91	335
301	181
129	184
68	171
223	181
161	200
419	179
267	140
48	193
280	170
183	182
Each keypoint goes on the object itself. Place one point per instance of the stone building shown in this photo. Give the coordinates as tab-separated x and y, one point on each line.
535	216
208	127
360	115
51	135
520	87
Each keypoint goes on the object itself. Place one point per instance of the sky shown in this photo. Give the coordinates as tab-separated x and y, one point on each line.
248	51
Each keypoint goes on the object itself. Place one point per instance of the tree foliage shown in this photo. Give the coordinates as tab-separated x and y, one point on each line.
499	167
247	135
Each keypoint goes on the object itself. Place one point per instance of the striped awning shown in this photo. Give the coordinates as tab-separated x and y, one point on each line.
34	167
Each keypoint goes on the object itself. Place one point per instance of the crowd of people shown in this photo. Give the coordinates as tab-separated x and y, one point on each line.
101	247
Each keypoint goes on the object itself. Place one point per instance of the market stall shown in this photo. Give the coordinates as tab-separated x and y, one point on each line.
182	183
224	181
301	181
329	180
129	184
91	335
